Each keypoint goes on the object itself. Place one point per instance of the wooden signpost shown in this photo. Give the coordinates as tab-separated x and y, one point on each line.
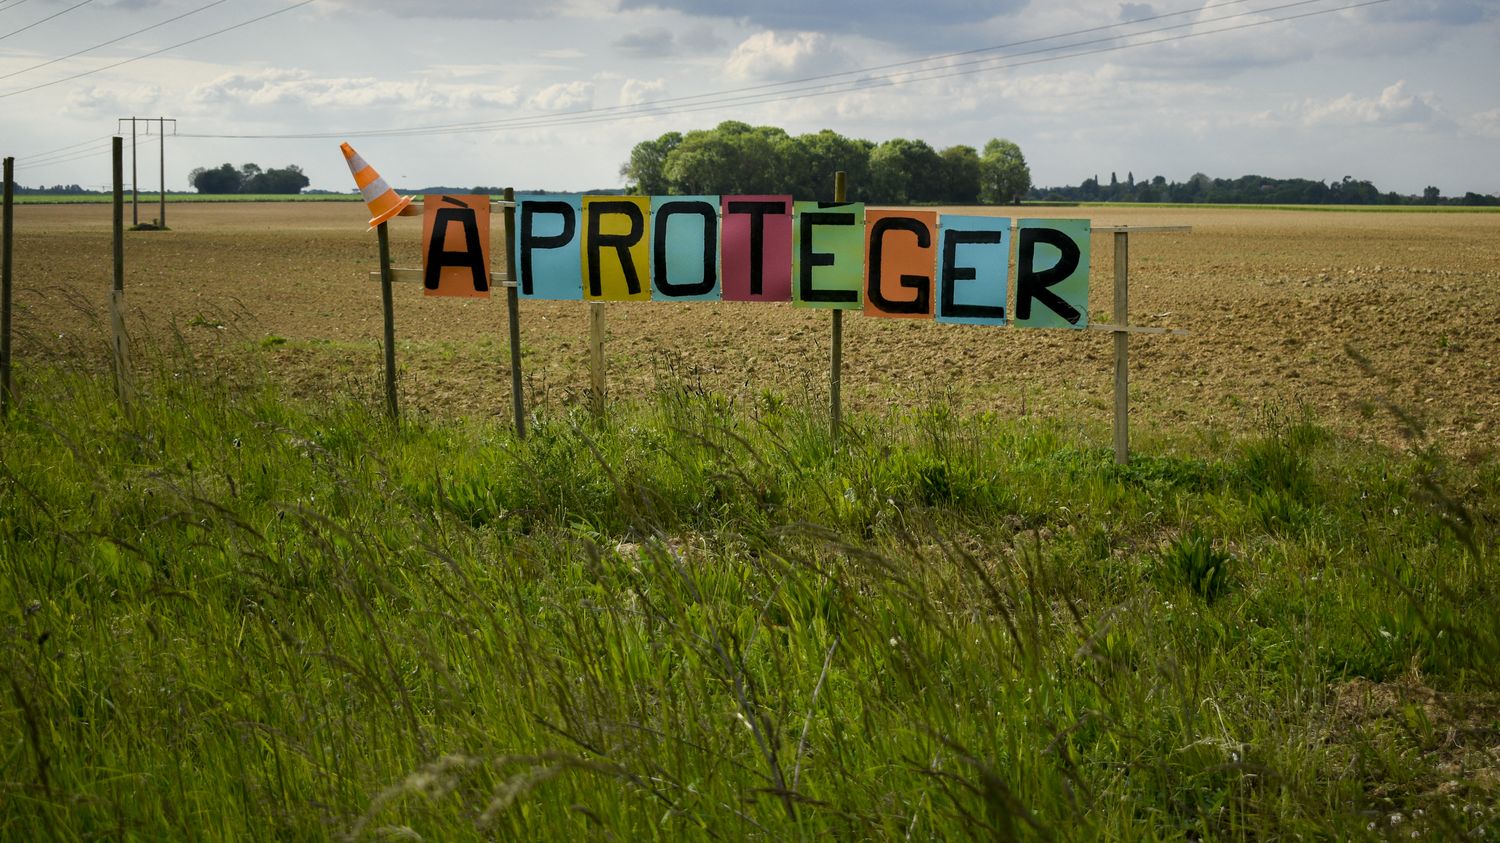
389	320
7	239
120	345
513	318
836	341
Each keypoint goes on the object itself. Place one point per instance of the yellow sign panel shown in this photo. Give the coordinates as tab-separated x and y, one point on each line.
616	248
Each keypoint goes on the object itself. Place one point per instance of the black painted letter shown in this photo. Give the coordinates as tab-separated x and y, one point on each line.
530	241
810	259
758	212
1031	284
953	273
710	217
597	241
471	257
921	283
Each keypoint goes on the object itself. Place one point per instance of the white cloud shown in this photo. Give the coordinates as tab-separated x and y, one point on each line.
777	55
96	101
892	21
471	9
564	95
1485	123
637	91
654	42
1394	106
301	88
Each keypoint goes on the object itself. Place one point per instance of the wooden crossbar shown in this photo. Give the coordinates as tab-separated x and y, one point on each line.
1137	329
1141	229
415	207
497	279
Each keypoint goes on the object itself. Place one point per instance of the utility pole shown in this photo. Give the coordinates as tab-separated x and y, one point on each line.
135	197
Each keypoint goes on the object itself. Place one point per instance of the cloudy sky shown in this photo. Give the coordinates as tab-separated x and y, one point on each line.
553	93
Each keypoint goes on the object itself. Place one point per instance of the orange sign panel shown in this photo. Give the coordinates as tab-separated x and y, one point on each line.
456	246
900	256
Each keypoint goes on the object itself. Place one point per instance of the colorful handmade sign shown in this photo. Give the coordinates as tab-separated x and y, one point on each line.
891	263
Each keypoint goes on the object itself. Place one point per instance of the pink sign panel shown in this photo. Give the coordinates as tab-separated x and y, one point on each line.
756	244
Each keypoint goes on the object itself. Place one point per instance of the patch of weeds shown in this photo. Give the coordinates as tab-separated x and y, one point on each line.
1170	472
271	341
1277	512
1194	561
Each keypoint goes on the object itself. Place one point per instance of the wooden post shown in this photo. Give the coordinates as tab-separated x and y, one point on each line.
7	236
513	314
117	293
135	193
596	355
390	323
162	125
119	213
836	354
1122	347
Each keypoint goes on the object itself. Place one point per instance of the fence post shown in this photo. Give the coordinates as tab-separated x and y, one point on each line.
1122	347
121	348
390	323
836	353
162	148
596	355
7	237
513	314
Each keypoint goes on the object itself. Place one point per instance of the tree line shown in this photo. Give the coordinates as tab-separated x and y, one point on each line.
249	178
737	158
1251	189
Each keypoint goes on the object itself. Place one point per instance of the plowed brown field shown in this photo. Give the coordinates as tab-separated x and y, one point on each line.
1274	301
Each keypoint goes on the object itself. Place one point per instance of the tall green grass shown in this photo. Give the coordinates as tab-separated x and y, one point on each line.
228	616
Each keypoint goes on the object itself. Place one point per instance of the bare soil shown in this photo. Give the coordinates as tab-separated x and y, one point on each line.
1280	305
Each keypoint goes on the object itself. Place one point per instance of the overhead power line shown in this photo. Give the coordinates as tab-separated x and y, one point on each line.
773	92
50	152
67	158
776	92
158	52
113	40
5	7
45	19
485	124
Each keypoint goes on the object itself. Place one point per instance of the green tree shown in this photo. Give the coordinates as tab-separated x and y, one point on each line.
700	163
286	180
646	169
961	175
732	157
905	171
222	179
1004	176
825	153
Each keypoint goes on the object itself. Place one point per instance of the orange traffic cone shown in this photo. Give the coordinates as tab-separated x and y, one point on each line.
383	202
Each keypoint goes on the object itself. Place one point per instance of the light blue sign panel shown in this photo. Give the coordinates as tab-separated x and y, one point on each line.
549	260
973	266
685	248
